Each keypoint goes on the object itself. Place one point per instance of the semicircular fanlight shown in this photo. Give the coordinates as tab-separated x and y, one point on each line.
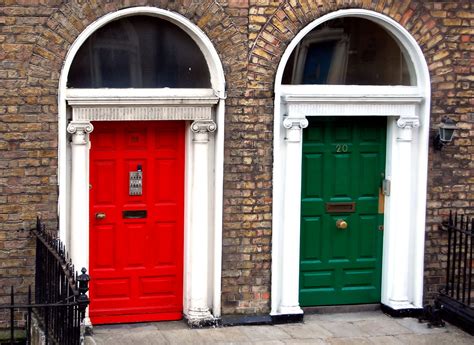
139	52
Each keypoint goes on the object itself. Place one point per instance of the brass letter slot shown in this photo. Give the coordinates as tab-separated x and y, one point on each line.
340	207
134	214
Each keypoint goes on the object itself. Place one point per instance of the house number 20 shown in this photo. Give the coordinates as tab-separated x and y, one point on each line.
342	148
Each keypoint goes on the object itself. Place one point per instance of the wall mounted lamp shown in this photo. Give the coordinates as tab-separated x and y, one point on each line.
445	133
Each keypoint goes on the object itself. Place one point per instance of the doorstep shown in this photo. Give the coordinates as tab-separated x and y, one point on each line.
361	328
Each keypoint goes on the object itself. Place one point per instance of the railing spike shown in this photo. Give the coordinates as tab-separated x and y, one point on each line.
460	259
56	289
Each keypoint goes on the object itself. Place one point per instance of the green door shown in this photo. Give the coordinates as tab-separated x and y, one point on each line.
343	170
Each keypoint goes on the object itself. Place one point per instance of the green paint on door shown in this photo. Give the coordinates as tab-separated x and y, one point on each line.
343	163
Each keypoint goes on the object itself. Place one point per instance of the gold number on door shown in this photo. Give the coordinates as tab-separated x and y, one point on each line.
342	148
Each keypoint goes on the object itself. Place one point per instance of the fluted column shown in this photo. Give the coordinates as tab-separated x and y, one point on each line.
401	196
79	235
292	210
198	311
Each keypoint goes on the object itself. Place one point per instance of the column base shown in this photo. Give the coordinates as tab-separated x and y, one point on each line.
399	304
88	327
200	318
287	318
288	314
401	312
290	310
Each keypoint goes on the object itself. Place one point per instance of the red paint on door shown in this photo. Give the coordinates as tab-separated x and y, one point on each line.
136	264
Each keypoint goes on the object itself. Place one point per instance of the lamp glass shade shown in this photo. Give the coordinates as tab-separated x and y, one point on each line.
446	130
446	134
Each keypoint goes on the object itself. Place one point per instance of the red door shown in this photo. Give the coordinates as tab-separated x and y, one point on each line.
136	236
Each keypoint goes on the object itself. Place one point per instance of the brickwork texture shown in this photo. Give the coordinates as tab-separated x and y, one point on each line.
250	37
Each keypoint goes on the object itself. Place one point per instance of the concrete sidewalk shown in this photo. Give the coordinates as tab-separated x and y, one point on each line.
344	328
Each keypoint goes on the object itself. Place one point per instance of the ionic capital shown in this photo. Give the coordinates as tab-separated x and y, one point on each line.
201	130
406	126
79	131
408	122
294	127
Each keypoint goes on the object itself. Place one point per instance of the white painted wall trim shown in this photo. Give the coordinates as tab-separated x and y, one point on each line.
141	105
407	112
209	99
314	93
340	100
162	96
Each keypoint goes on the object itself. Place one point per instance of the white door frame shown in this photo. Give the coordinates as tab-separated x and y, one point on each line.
204	159
407	112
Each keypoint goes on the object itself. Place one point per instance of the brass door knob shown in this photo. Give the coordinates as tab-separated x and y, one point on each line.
341	224
100	215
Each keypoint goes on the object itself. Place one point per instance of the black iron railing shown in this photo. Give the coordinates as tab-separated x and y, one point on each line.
456	300
59	301
459	278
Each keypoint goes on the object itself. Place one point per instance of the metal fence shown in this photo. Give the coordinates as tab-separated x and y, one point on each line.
460	259
456	300
59	300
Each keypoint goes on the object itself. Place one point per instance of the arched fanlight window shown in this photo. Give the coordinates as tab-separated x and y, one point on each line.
139	52
348	51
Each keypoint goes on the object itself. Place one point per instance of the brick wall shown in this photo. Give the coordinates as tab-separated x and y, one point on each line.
443	29
451	171
250	37
28	145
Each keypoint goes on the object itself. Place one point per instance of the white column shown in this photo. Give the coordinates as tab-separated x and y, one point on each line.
401	191
79	232
292	212
198	311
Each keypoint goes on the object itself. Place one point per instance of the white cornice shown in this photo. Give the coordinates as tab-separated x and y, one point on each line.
141	104
141	97
346	100
351	99
350	94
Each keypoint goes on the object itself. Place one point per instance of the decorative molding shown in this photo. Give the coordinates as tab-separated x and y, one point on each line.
408	122
351	109
141	104
201	130
294	127
129	97
291	123
203	126
351	100
80	130
141	113
141	96
350	93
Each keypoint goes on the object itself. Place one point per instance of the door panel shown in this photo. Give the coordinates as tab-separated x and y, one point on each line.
343	162
136	263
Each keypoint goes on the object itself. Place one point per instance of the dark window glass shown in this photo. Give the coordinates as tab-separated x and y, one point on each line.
347	51
139	52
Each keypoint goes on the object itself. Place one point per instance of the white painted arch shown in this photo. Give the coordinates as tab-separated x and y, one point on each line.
407	109
215	100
